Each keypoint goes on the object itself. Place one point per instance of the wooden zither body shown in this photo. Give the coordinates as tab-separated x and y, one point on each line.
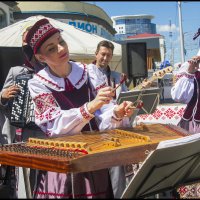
88	151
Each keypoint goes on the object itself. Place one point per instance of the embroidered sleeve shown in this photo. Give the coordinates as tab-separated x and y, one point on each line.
44	102
96	78
50	117
183	72
183	89
105	116
85	113
108	120
186	75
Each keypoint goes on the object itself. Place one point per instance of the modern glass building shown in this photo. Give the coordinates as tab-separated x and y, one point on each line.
129	25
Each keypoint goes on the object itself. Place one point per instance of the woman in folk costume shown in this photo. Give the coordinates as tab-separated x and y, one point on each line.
64	104
187	90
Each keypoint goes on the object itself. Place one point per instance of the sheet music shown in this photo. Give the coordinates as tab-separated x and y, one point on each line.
150	98
179	141
173	163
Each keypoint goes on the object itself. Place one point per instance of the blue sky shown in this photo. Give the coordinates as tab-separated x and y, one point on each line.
163	12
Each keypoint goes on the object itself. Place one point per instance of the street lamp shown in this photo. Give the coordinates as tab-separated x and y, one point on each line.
181	33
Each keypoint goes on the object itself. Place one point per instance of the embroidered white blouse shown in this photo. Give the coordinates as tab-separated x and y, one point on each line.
52	119
183	89
99	79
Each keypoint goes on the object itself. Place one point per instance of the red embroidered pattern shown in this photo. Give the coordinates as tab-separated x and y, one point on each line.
83	75
49	82
43	102
178	76
101	86
163	114
84	113
189	191
39	33
47	116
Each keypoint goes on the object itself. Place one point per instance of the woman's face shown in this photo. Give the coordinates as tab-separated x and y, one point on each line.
54	51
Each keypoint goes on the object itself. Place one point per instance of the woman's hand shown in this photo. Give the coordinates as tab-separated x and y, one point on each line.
125	109
104	96
193	64
9	93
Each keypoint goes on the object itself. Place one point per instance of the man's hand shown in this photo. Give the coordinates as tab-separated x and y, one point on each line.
9	93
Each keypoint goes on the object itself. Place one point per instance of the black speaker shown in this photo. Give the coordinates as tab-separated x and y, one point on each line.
134	60
9	57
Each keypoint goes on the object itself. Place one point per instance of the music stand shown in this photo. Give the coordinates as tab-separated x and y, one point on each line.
150	98
167	167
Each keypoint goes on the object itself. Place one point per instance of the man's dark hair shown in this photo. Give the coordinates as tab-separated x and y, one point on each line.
105	43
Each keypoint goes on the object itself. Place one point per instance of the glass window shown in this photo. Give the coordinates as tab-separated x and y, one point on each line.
137	26
2	19
120	21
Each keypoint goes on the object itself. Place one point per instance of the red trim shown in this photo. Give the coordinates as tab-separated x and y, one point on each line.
100	86
43	38
178	76
48	81
83	75
84	113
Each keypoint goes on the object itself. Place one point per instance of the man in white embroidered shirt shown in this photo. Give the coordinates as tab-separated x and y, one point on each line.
102	76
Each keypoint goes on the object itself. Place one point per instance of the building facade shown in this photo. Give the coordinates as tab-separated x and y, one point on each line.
84	16
87	17
6	13
129	25
155	46
139	28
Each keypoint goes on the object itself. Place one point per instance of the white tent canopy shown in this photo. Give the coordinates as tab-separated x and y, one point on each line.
82	45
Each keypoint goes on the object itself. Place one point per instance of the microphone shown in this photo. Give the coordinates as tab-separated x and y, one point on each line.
196	35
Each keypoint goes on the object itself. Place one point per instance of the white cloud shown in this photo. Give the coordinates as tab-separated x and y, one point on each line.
166	28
